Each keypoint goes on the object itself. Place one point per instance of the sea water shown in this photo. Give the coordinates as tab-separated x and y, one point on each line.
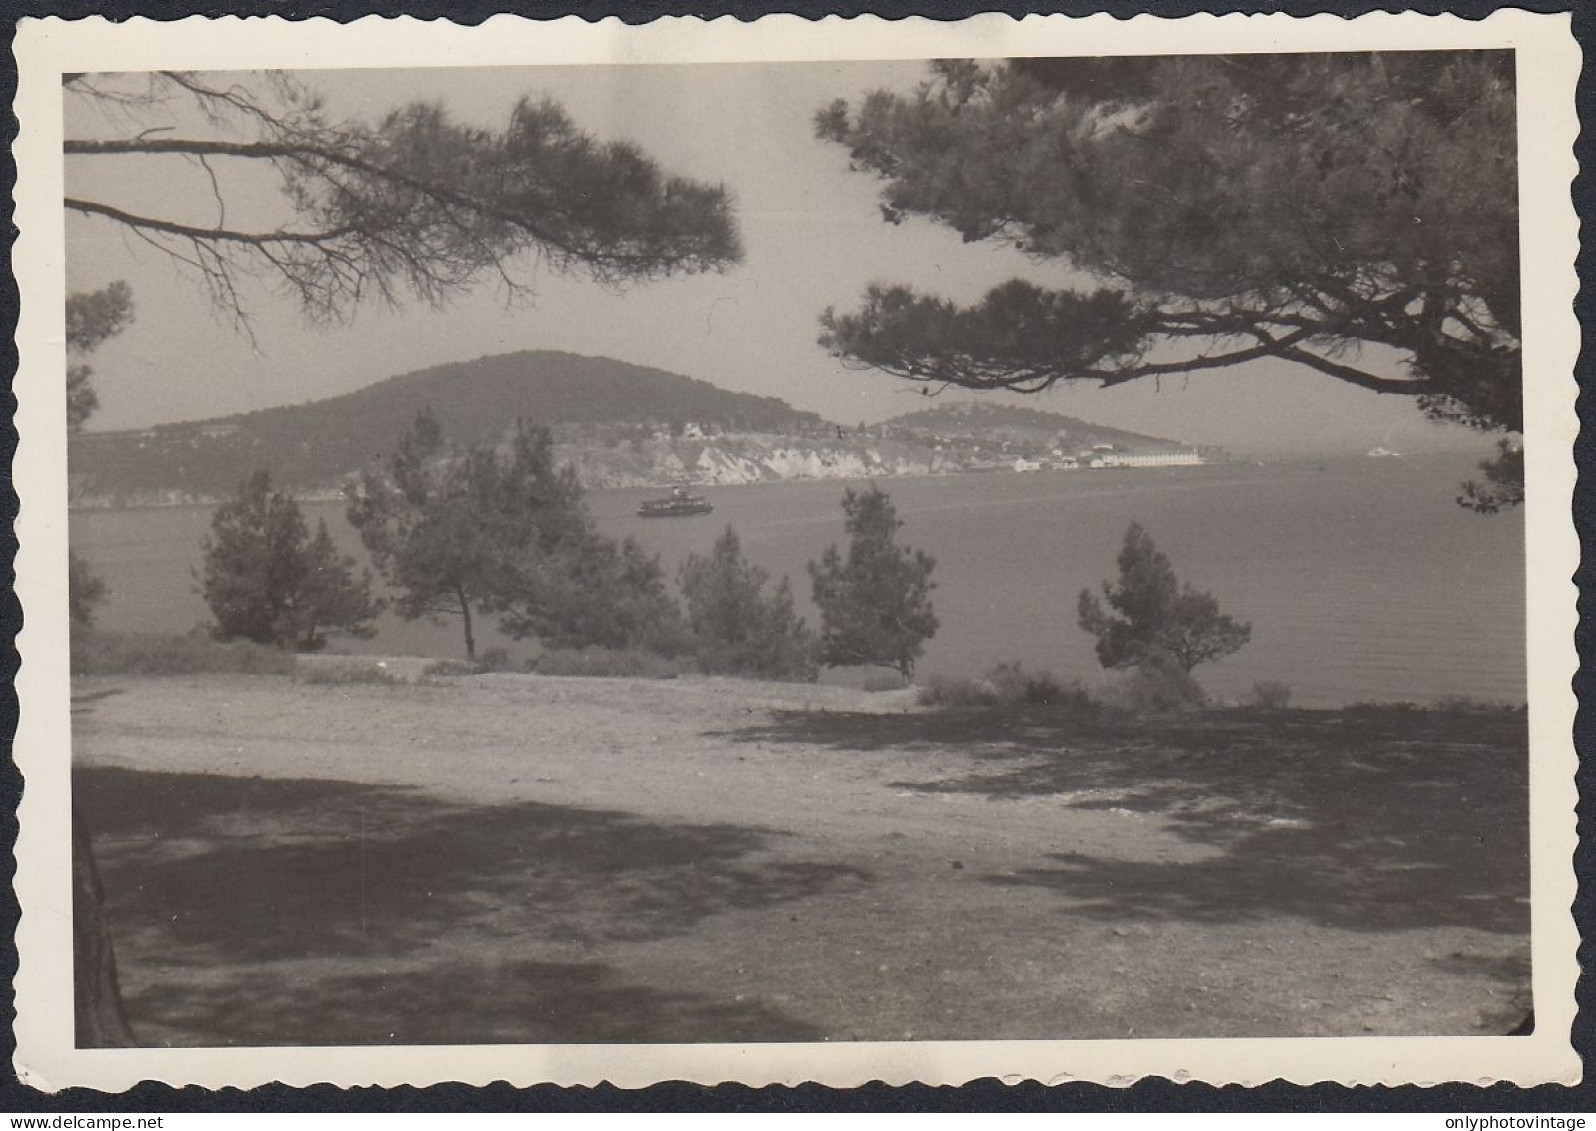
1362	579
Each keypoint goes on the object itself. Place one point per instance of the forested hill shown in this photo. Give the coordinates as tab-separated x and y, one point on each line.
1014	422
312	446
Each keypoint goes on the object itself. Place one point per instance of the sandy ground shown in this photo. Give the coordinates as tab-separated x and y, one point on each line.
508	858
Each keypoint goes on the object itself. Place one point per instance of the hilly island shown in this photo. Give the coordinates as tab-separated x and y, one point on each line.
619	425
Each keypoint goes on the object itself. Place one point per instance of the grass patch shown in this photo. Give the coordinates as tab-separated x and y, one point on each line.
95	652
1450	705
493	660
347	673
633	663
1007	685
952	693
447	668
496	660
1468	705
884	681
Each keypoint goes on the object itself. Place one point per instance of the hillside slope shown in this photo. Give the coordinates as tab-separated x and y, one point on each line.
1012	422
620	425
312	446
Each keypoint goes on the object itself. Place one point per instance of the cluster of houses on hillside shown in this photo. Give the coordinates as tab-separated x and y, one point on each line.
1105	456
200	463
999	456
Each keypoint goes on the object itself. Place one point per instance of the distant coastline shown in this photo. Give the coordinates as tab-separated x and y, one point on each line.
714	466
730	465
618	425
717	468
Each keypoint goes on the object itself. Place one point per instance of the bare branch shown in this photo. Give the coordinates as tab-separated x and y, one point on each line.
204	235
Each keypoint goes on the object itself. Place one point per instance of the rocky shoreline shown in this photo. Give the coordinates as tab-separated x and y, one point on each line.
726	460
744	461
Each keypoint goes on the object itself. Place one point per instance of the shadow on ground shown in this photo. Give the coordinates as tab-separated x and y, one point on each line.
1374	819
386	903
449	1003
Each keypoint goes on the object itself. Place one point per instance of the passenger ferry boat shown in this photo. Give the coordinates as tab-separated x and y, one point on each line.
679	504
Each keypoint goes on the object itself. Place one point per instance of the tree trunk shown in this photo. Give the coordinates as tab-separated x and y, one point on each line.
465	616
97	999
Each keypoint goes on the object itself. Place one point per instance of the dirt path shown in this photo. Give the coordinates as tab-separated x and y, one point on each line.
515	858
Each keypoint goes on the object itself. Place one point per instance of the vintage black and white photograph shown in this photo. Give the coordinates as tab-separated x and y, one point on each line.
963	548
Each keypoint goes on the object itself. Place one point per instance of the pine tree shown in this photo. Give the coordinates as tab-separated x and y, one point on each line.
268	579
590	591
1159	621
737	628
411	202
506	532
875	606
451	531
91	318
1214	211
85	590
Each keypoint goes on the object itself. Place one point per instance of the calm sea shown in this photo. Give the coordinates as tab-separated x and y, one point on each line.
1361	578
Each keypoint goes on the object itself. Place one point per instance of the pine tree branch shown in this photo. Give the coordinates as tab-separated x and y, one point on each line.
216	234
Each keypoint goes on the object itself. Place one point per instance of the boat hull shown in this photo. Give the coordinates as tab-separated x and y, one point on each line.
674	510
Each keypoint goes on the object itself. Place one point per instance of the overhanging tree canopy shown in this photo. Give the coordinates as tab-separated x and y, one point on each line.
1228	209
415	203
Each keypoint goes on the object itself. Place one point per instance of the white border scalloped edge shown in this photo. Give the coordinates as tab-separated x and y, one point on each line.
1549	61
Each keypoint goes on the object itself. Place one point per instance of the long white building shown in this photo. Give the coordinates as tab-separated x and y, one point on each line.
1148	459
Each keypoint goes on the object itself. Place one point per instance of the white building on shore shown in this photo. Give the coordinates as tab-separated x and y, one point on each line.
1148	459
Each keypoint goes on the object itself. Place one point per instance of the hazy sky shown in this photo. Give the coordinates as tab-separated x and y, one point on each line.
813	234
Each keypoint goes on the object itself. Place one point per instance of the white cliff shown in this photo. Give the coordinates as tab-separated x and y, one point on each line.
744	458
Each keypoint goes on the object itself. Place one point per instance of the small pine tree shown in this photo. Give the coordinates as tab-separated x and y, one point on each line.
268	579
591	591
1160	622
335	600
736	628
875	606
507	532
91	318
85	590
453	531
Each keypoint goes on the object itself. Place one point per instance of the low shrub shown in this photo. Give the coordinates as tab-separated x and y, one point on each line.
495	660
789	659
96	652
948	692
1382	707
1016	685
447	668
1445	705
1157	685
633	663
343	674
1271	695
1468	705
884	681
1007	685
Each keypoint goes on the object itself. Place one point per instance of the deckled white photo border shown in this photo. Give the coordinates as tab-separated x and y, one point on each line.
1548	67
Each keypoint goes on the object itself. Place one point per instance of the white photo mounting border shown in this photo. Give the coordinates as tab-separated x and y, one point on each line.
1549	62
